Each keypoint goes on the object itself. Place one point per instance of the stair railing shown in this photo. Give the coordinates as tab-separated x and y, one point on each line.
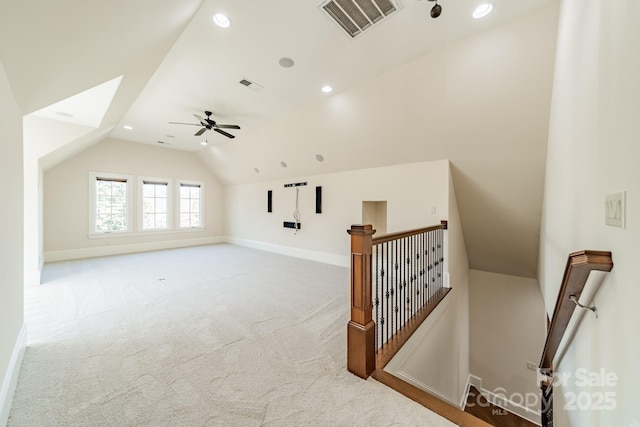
396	281
579	266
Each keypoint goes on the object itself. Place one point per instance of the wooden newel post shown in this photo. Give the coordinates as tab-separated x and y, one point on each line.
361	351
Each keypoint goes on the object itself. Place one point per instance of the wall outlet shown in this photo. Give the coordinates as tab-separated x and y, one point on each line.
532	366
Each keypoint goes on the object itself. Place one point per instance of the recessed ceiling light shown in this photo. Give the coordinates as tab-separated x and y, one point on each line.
319	158
482	10
256	170
170	136
283	164
327	89
286	62
64	114
221	20
204	142
127	127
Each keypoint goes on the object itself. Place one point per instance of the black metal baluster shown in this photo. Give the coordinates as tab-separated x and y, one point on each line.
423	299
416	256
412	241
396	266
400	279
376	301
410	269
382	273
392	290
432	258
386	294
405	245
421	271
416	271
407	282
441	259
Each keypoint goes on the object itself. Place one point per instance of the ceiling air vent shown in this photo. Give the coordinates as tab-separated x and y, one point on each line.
251	85
356	16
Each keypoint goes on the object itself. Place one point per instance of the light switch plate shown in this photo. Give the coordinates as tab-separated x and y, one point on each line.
615	207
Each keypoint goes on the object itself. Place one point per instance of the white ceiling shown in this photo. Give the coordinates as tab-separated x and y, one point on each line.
203	68
411	88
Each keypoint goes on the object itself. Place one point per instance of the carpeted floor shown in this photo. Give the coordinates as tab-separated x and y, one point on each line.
207	336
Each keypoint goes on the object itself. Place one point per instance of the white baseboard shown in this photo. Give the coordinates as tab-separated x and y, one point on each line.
11	376
324	257
506	404
474	381
100	251
513	407
414	382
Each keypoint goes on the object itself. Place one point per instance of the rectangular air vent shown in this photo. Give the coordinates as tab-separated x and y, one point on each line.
356	16
251	85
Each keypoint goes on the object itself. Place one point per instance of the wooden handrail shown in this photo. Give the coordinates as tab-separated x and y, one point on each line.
579	265
402	234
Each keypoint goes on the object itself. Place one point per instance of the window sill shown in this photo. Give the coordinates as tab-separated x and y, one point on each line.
144	233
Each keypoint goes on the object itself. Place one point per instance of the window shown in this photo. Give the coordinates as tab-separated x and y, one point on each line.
155	202
191	205
111	203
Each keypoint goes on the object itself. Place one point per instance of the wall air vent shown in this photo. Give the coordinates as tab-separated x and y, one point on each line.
356	16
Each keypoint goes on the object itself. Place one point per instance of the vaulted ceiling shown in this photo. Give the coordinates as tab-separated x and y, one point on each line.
411	88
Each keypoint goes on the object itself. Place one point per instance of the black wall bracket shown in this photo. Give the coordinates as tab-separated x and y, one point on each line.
295	184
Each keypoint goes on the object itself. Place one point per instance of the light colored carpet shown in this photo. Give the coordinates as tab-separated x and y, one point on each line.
213	335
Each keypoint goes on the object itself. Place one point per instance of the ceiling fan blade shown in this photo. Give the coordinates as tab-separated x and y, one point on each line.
200	132
228	135
228	126
180	123
200	118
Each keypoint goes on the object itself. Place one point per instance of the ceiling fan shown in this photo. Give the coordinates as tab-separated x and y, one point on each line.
209	124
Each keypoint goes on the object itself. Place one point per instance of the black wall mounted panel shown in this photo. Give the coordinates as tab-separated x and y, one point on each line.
318	200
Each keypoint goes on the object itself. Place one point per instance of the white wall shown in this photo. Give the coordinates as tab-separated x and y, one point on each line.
41	137
508	329
410	191
66	199
593	150
11	254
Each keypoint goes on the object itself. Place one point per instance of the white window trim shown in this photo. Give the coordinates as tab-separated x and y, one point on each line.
170	205
177	204
93	176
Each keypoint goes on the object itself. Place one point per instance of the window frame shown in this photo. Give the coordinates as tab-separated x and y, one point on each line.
93	178
170	203
186	182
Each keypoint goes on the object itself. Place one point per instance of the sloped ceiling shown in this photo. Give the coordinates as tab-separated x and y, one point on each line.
474	91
